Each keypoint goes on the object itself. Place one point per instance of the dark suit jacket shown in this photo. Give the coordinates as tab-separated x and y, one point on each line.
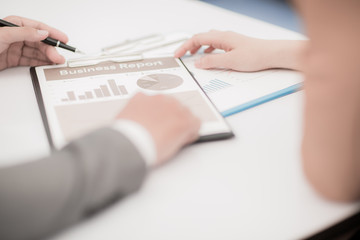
42	197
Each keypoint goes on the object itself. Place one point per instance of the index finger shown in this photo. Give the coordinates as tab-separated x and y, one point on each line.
212	38
53	32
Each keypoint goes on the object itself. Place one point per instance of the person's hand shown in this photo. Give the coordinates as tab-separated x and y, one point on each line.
242	53
171	124
22	46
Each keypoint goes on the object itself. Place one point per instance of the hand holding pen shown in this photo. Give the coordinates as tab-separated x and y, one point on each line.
23	46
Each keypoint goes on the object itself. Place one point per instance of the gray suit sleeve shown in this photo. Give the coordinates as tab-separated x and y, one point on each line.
40	198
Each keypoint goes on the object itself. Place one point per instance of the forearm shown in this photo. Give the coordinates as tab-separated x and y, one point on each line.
283	54
331	155
42	197
331	152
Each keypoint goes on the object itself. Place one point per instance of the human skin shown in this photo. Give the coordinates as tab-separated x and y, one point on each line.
171	125
330	63
331	152
22	46
243	53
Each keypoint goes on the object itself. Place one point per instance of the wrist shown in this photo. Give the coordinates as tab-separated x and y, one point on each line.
140	137
284	54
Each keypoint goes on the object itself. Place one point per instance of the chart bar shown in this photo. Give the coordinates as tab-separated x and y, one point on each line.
215	85
113	87
219	83
123	90
105	90
98	93
89	95
210	87
71	96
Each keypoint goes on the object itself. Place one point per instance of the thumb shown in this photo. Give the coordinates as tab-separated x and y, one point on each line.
19	34
221	60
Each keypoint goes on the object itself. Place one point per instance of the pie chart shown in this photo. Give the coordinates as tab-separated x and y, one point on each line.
159	81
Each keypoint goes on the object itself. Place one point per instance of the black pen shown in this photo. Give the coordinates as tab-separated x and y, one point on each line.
48	40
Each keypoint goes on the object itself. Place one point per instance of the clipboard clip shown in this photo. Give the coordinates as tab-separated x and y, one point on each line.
145	44
133	43
131	50
93	60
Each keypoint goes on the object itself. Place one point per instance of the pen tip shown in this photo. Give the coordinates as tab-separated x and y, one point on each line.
79	51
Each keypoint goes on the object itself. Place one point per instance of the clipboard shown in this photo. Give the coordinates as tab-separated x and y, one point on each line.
89	96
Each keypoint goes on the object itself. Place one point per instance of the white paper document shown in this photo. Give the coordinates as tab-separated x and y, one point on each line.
229	89
76	100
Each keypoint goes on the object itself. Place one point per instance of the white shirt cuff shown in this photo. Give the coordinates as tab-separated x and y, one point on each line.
140	137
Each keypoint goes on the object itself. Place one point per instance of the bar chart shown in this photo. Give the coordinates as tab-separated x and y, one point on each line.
105	90
215	85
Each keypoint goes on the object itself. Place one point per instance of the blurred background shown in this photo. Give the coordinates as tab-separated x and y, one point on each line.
278	12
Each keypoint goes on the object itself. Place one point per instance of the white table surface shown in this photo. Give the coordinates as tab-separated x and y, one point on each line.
249	187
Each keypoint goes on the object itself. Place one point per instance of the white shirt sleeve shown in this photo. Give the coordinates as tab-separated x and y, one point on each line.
140	137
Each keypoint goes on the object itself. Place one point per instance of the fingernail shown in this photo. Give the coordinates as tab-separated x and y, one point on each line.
42	32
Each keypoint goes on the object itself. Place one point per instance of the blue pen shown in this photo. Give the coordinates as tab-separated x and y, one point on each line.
263	99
